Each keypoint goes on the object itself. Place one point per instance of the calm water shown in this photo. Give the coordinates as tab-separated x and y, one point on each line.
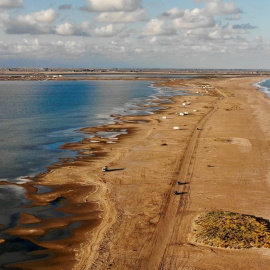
35	119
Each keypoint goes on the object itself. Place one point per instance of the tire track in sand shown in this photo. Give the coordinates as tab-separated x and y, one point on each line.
167	233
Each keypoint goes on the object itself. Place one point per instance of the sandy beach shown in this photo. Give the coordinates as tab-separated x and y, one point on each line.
219	152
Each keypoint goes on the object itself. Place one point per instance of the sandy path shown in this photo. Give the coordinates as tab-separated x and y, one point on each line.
168	227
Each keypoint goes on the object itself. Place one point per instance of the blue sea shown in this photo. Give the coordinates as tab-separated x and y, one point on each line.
36	118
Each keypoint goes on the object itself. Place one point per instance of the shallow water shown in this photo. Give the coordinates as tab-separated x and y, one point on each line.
264	87
36	118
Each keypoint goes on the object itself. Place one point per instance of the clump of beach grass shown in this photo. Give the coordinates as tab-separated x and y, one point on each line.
231	230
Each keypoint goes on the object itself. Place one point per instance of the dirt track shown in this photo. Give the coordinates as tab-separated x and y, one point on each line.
173	222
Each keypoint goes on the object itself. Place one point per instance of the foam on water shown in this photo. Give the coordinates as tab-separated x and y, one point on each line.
264	86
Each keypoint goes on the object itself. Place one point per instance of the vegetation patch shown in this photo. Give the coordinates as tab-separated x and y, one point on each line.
231	230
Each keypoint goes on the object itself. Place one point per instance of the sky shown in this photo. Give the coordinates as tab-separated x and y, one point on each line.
178	34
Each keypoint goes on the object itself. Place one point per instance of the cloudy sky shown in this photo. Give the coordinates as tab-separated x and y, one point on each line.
135	33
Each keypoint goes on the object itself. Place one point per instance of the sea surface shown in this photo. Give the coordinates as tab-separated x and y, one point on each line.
36	118
264	87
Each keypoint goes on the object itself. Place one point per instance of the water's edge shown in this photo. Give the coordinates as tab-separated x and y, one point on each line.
47	197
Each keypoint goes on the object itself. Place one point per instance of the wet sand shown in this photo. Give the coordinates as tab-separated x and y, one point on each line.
220	156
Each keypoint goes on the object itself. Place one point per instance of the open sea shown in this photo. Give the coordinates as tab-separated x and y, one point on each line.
36	118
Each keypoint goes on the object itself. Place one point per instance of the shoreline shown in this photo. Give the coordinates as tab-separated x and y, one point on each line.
56	194
146	149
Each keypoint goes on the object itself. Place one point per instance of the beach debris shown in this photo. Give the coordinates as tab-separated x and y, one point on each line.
181	114
186	103
195	110
177	193
105	168
164	117
185	113
176	128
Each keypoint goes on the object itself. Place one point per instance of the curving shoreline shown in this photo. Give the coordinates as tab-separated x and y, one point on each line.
61	190
138	201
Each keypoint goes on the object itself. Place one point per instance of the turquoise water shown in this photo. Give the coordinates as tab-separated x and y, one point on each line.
36	118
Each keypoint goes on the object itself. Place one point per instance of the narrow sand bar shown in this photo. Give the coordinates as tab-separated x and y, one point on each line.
220	155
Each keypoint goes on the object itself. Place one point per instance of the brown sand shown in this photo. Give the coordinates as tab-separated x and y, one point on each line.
220	155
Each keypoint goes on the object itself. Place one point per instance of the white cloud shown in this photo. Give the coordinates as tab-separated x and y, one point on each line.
216	7
195	18
112	5
86	28
21	48
202	48
258	39
70	29
109	30
4	17
267	45
66	29
217	34
130	17
34	23
220	34
11	4
197	45
158	27
34	48
73	47
175	34
48	15
173	13
198	33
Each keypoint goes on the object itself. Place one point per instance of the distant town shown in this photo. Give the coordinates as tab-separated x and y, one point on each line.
91	73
